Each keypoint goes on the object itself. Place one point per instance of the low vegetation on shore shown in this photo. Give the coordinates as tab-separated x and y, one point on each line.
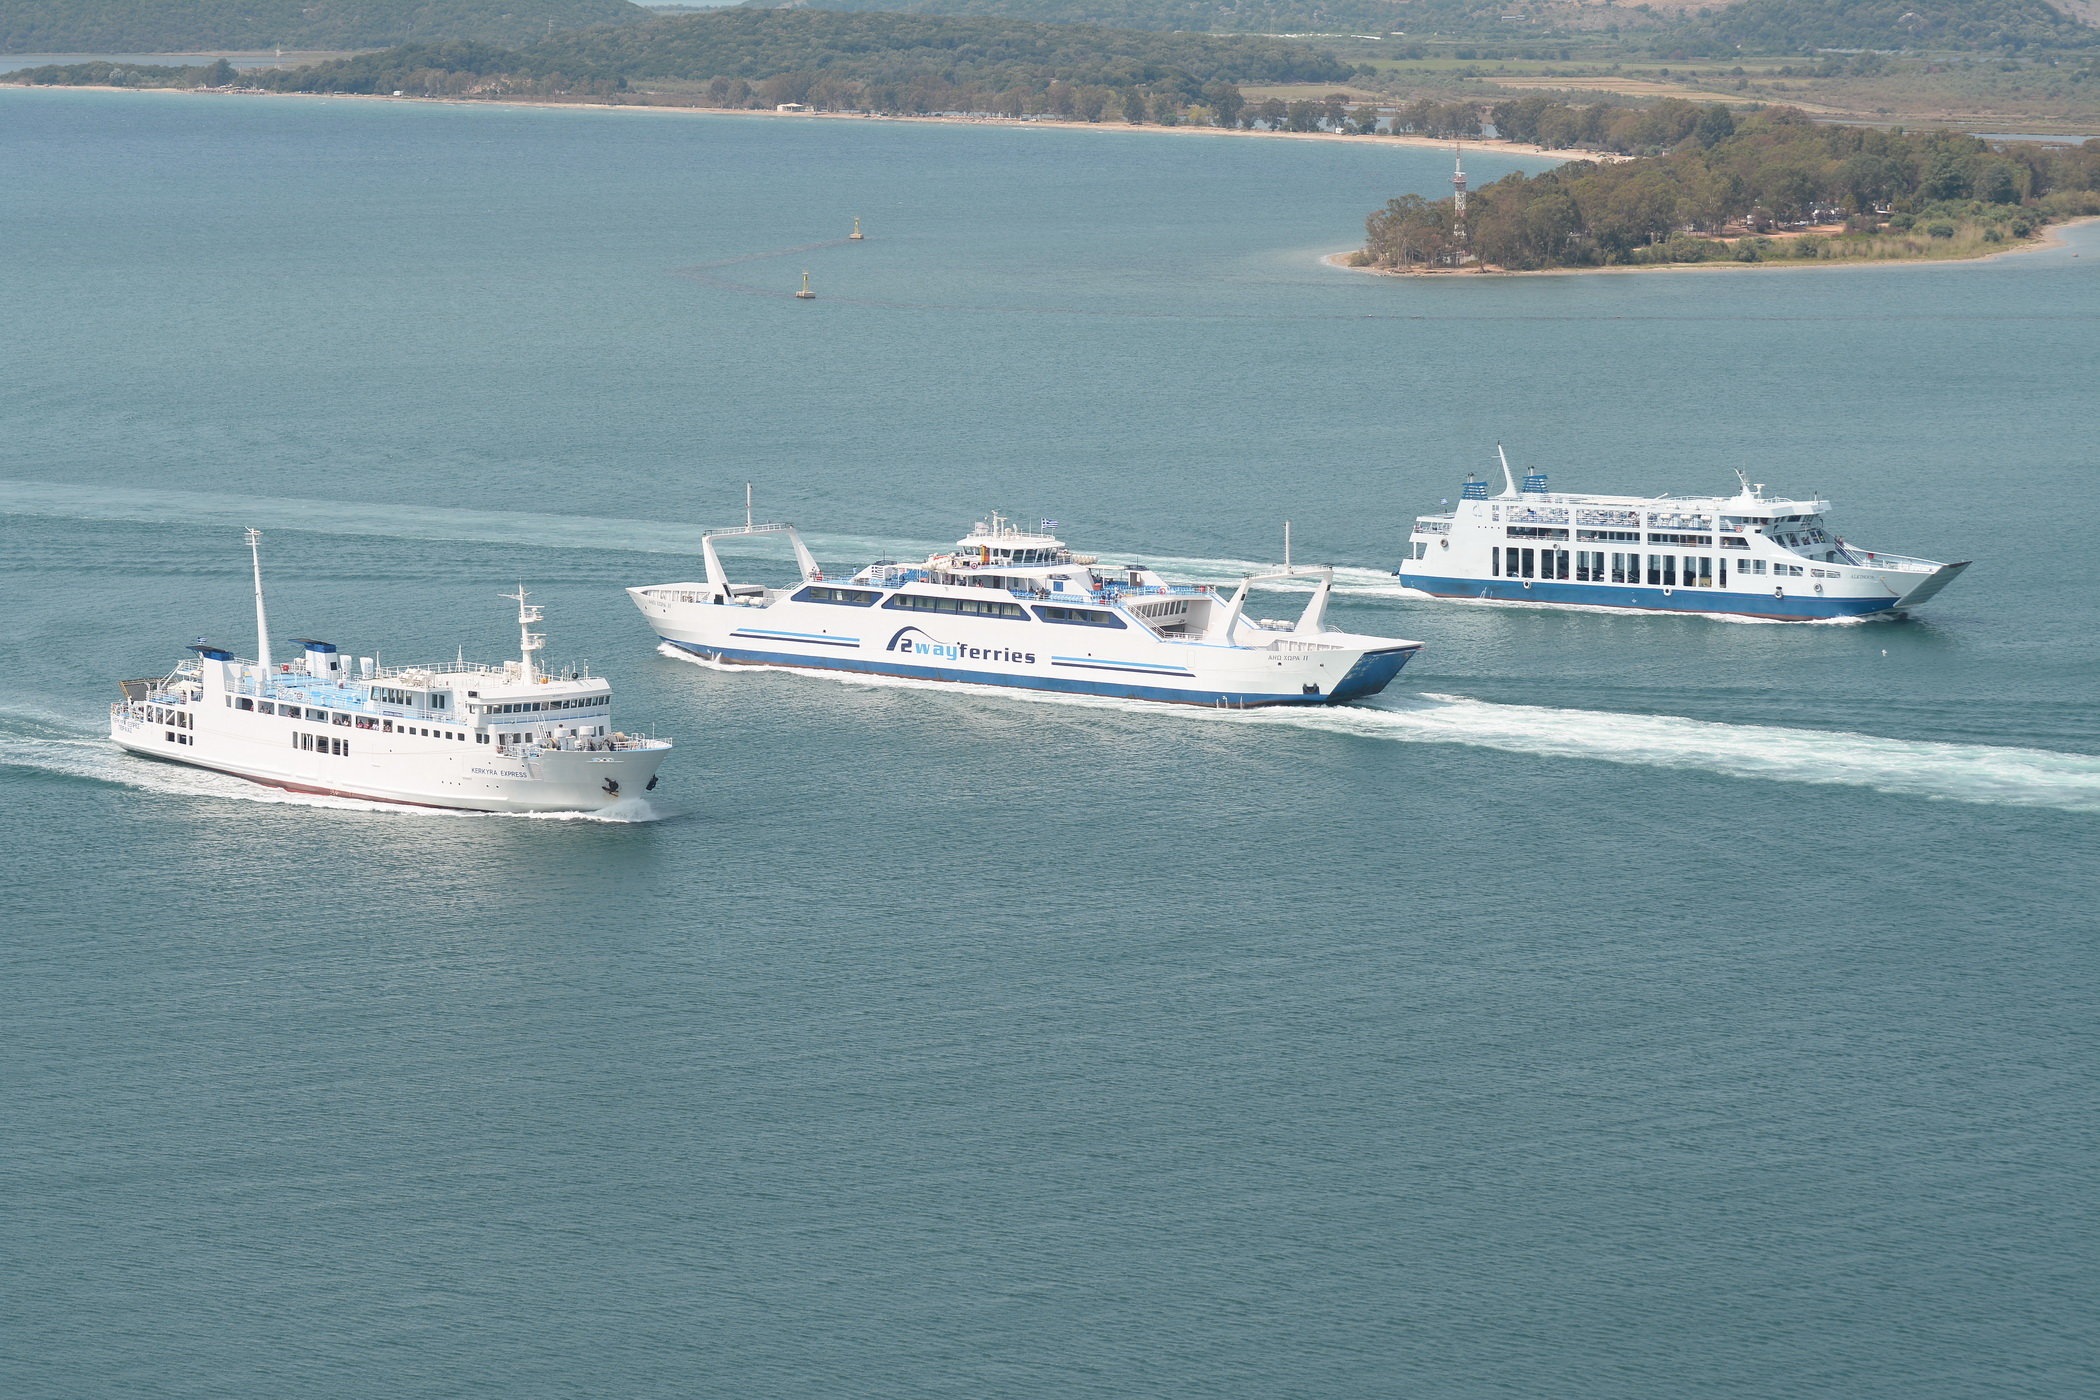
1752	187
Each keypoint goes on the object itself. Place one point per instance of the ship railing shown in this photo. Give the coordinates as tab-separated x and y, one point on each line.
1285	644
610	743
1611	519
1113	591
441	668
1660	521
1532	515
1433	525
1896	563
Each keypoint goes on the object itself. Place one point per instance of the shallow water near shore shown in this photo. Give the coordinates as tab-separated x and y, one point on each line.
1619	1007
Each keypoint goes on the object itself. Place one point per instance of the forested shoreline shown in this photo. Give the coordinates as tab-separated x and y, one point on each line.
1751	187
823	60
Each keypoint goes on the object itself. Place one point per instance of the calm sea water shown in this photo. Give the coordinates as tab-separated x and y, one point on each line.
1621	1007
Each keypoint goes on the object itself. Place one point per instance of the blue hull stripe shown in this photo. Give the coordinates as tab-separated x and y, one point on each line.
1124	666
1367	677
1792	608
758	636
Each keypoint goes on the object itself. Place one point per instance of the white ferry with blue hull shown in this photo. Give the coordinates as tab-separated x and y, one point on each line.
1749	555
1017	608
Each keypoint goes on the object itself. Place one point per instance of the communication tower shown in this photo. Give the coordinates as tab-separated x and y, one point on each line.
1458	193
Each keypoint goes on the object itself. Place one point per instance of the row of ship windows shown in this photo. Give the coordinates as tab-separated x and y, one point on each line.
321	743
162	714
267	707
435	700
969	607
525	707
1530	532
384	726
1662	570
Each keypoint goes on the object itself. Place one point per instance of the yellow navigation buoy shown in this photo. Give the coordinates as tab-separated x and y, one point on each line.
856	235
805	294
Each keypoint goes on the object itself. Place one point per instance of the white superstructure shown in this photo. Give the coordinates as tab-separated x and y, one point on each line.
492	738
1749	554
1015	607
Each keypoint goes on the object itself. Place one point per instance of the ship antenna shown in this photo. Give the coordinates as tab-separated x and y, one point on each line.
529	641
262	625
1509	481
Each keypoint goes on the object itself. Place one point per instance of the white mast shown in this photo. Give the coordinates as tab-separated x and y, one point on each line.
1286	546
1509	481
262	624
747	505
529	641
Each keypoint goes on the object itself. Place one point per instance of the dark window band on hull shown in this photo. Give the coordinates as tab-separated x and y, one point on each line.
849	597
965	607
1079	617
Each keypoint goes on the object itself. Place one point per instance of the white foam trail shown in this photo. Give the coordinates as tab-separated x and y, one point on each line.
1981	773
147	507
99	760
1984	773
150	507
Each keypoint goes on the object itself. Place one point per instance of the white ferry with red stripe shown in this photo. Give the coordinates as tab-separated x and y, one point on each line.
1014	607
508	737
1750	554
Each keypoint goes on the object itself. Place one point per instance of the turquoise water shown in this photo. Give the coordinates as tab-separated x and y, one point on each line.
1620	1007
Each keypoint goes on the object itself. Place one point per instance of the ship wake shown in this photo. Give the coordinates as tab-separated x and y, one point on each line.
1947	772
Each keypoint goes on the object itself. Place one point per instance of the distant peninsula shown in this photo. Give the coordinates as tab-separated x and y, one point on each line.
1710	186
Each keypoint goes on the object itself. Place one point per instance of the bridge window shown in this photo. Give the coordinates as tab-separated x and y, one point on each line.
850	597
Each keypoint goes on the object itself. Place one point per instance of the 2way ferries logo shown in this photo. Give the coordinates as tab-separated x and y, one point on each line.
918	643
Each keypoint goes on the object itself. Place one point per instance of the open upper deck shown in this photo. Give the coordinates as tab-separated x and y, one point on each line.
1742	507
451	689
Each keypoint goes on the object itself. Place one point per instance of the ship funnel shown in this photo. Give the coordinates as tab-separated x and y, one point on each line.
322	659
1474	490
1534	483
